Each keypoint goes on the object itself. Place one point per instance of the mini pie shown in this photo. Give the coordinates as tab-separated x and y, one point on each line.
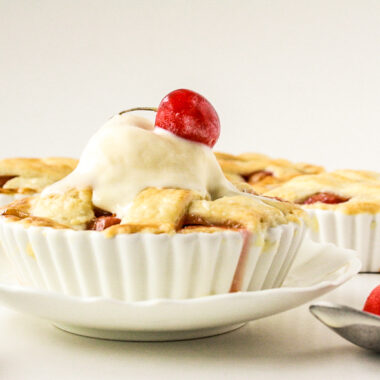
149	214
32	175
258	173
172	243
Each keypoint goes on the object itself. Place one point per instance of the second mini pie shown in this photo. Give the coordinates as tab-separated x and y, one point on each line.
345	206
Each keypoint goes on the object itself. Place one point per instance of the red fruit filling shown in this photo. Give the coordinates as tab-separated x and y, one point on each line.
103	222
328	198
100	212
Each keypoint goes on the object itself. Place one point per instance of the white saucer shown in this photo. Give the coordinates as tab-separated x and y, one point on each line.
318	270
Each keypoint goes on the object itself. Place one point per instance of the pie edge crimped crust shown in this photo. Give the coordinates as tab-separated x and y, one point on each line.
245	212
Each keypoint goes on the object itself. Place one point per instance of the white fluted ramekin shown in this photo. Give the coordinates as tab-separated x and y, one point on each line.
360	232
146	266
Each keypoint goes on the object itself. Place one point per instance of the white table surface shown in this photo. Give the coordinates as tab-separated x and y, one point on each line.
289	345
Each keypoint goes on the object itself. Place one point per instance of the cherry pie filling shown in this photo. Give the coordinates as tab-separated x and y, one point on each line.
103	219
102	223
325	197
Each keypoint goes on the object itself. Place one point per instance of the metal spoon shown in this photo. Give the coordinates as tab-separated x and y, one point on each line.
358	327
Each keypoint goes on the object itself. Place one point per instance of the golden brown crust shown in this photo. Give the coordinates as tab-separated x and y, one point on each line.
20	211
73	208
363	196
246	212
34	174
163	208
156	211
20	208
261	172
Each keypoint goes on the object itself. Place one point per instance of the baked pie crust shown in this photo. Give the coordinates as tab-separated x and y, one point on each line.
258	173
156	211
73	208
355	196
32	175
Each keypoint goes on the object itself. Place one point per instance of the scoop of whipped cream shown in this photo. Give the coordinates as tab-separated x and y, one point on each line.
128	154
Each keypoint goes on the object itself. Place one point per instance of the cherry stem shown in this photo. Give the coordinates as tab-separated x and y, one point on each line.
139	109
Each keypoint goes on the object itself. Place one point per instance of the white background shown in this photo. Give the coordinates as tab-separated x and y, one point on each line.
296	78
291	78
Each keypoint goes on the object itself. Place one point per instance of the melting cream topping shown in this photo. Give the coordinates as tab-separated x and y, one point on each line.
128	155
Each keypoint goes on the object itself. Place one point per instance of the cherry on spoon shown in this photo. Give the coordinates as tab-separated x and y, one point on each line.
372	304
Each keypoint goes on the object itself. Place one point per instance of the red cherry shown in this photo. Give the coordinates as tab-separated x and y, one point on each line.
372	305
328	198
189	115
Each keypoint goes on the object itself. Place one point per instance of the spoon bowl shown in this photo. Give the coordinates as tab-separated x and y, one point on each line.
358	327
